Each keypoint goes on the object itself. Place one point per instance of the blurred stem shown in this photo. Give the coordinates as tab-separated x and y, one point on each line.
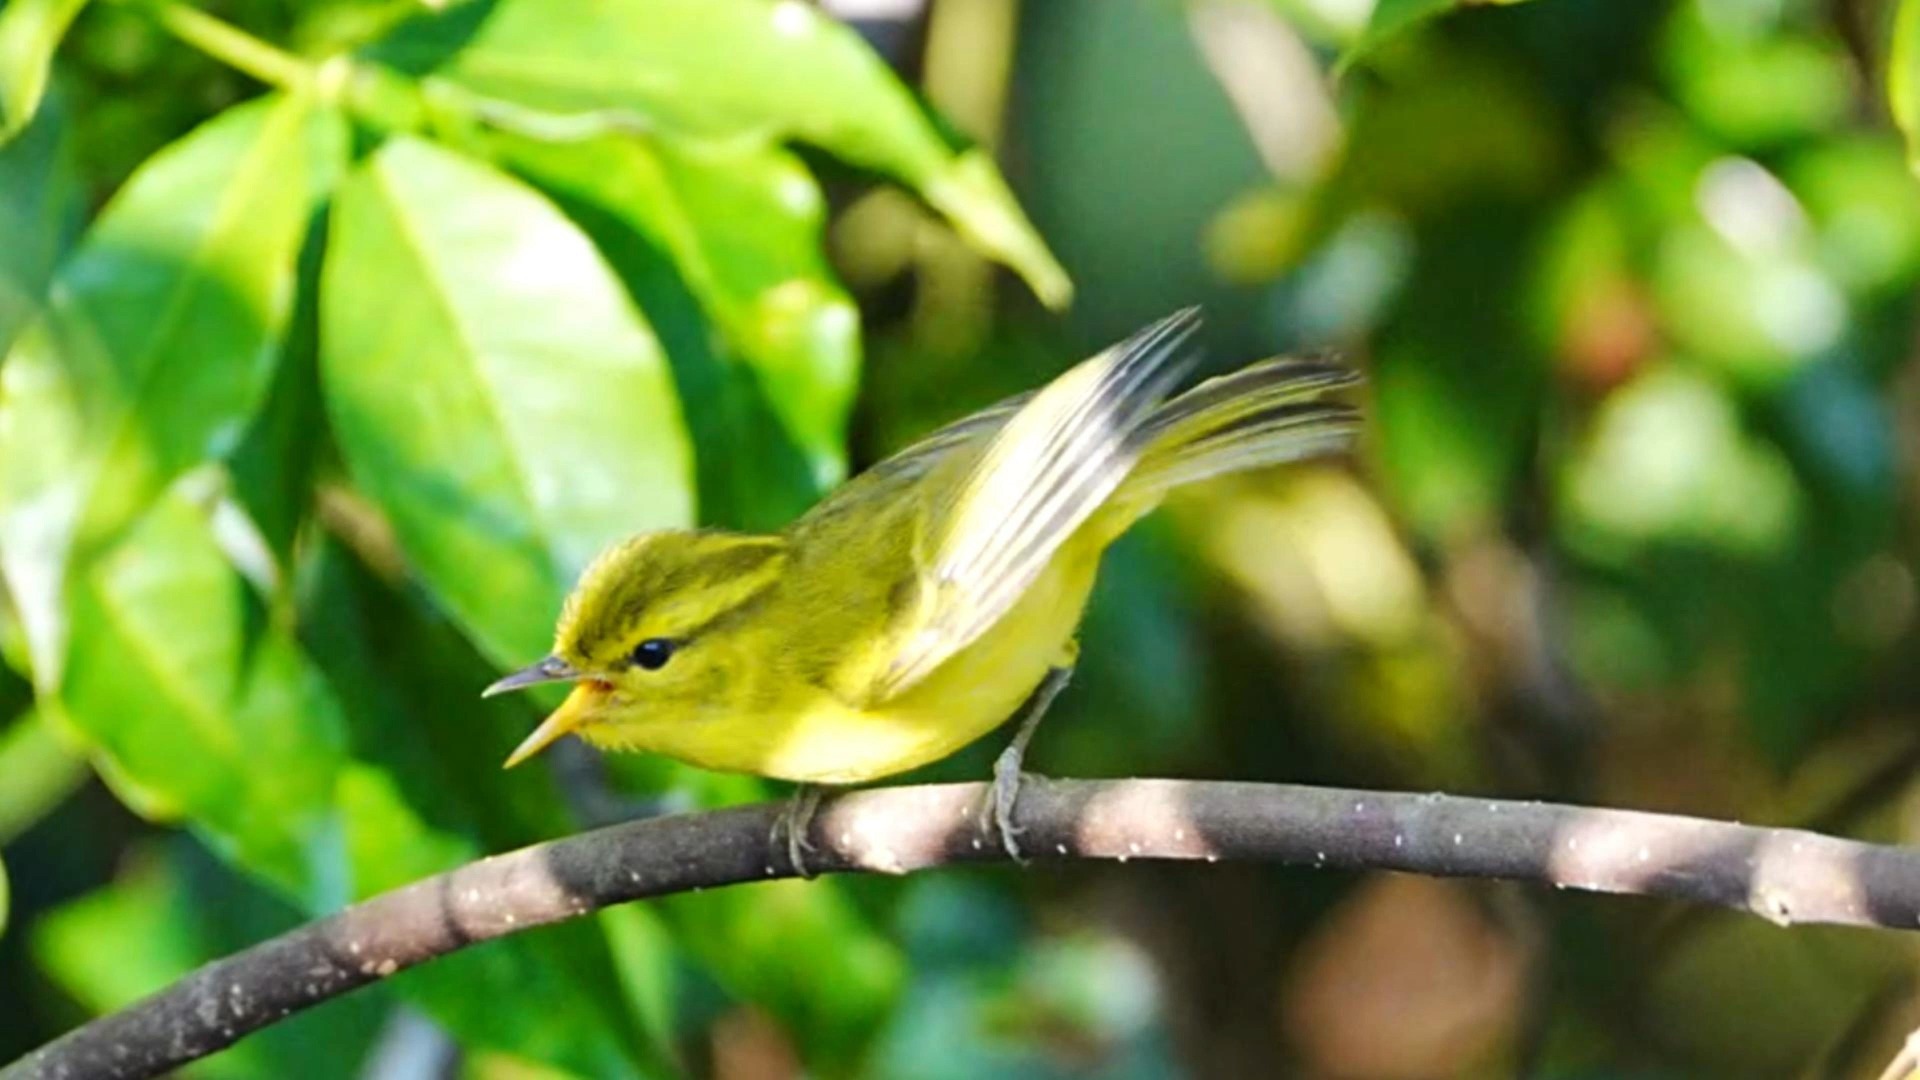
229	44
969	64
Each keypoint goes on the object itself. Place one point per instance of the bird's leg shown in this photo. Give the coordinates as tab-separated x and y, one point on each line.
1006	768
793	821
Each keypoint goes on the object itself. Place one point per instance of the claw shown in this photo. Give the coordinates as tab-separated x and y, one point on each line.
793	823
1002	797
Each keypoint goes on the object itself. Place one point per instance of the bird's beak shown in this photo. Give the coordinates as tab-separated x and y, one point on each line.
545	670
571	714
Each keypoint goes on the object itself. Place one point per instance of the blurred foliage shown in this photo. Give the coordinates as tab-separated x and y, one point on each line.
335	337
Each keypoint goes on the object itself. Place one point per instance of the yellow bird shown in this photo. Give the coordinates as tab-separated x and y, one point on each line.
916	607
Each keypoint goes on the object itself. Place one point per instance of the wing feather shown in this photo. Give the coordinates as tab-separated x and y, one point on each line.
1047	469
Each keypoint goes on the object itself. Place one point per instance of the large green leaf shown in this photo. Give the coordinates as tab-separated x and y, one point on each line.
169	911
1903	77
742	226
741	69
29	32
158	343
174	676
38	201
492	388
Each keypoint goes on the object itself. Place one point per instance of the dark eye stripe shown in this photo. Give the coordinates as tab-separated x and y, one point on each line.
653	654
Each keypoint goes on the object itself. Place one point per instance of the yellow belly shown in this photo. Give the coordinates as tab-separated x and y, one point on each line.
829	742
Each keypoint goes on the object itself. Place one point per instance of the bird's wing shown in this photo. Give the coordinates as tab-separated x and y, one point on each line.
1049	466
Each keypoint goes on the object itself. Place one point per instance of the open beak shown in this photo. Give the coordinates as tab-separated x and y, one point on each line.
572	713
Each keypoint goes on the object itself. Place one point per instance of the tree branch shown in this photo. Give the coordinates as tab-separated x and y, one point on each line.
1783	875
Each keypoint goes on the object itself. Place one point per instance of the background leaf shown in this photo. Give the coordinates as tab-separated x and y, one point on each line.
741	225
163	332
1903	77
461	315
1392	18
174	675
39	205
30	30
744	70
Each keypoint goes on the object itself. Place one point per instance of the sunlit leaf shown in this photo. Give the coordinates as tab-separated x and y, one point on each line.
158	344
173	675
742	226
492	388
30	30
742	69
6	897
38	200
1903	77
169	912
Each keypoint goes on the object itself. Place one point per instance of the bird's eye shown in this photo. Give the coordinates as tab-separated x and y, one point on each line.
653	653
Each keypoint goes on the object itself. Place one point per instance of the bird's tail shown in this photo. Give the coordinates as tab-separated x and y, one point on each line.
1268	413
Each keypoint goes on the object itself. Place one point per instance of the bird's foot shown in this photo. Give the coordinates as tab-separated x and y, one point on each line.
791	825
1001	799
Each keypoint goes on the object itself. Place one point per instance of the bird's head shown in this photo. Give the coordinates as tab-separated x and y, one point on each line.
641	637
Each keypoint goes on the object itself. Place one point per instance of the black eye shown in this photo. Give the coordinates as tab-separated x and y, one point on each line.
653	653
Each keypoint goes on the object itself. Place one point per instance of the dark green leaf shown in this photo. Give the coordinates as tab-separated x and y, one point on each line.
30	30
41	770
38	202
158	344
273	467
211	714
741	69
804	954
1391	18
492	388
473	993
742	225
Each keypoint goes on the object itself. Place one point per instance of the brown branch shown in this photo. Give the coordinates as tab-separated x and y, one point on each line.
1783	875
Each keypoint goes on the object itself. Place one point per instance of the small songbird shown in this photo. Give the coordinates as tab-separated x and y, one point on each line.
916	607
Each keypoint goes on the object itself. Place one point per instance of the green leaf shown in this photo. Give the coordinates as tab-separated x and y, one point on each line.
741	70
158	344
41	771
742	225
30	30
6	896
174	677
805	954
492	388
1392	18
170	911
38	204
273	466
1903	77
